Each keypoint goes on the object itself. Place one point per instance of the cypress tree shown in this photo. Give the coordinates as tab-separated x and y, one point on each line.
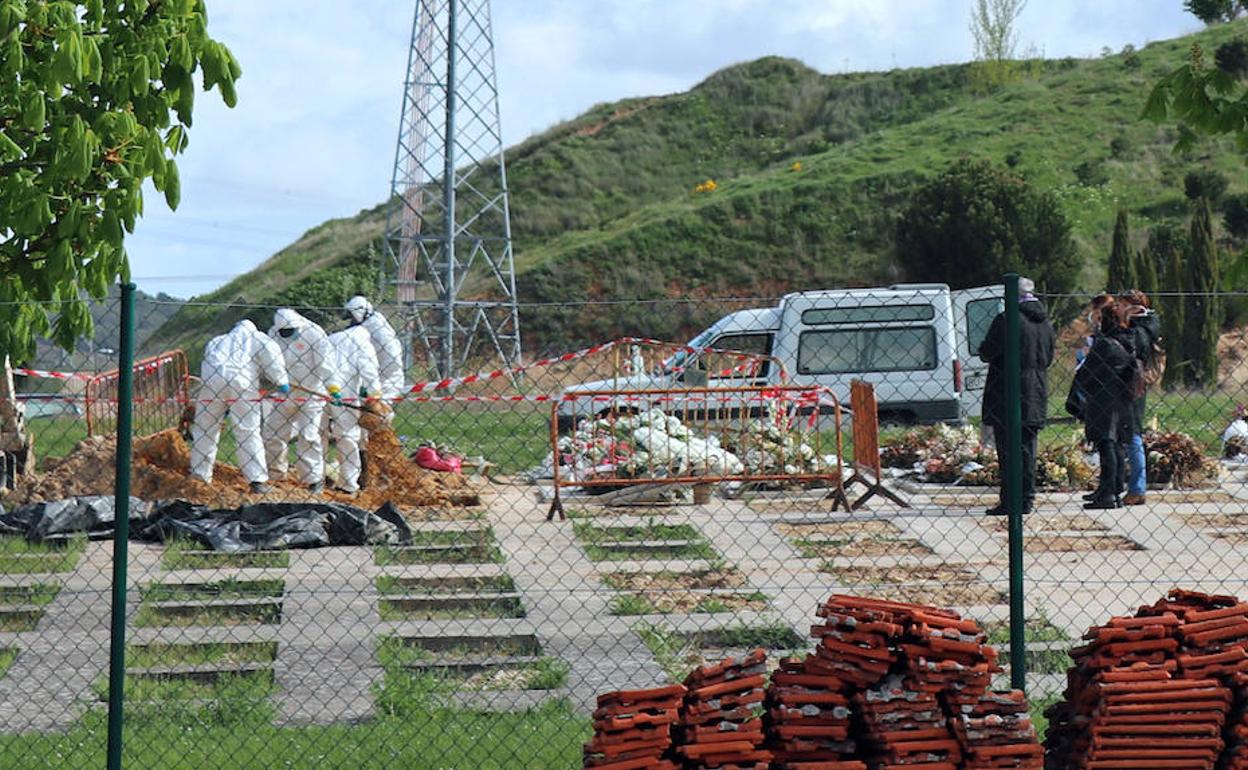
1121	262
1166	244
1202	315
1146	270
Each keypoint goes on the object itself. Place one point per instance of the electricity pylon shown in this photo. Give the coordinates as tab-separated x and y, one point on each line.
448	250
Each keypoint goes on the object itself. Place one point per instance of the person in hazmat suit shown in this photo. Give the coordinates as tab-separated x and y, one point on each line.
358	372
385	342
311	363
233	366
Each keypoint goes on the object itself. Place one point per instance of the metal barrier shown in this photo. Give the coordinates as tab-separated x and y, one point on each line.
745	435
161	385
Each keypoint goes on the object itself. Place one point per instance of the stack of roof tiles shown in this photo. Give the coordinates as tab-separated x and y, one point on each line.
808	719
721	724
1158	689
889	686
633	729
933	709
994	730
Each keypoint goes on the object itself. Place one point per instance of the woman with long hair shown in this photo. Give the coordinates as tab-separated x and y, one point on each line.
1105	380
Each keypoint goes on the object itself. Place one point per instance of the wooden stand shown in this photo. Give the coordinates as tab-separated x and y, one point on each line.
867	469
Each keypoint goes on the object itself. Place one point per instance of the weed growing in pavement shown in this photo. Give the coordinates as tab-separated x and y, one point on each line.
394	585
7	656
38	595
600	543
19	556
19	621
162	654
467	553
631	604
229	588
183	554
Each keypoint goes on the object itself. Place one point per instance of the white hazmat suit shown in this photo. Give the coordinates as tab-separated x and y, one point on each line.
310	362
359	374
233	365
385	342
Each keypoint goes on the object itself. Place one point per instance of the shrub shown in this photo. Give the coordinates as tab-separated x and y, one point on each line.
1235	215
977	221
1232	58
1205	183
1092	173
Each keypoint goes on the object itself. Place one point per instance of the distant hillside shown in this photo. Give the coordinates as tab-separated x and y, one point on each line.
603	206
150	314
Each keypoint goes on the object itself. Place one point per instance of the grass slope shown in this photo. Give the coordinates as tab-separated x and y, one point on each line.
603	206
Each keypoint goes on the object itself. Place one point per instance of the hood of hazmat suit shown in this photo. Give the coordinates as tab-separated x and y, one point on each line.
242	356
306	349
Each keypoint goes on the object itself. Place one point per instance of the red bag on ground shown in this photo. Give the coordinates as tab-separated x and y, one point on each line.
428	458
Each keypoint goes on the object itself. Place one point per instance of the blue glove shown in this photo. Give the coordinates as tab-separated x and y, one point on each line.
284	389
363	392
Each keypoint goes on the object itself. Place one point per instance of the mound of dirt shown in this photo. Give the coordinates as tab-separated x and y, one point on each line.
161	472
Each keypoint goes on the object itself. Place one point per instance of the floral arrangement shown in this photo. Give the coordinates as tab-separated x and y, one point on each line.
947	455
1176	459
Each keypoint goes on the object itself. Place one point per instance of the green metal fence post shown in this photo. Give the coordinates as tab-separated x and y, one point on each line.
1012	480
117	642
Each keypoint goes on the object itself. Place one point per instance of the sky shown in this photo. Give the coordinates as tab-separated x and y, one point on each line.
313	136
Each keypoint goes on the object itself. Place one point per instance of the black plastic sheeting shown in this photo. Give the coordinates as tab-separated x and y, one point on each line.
261	526
64	519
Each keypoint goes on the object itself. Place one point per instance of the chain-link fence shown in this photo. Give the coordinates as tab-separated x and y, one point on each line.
367	569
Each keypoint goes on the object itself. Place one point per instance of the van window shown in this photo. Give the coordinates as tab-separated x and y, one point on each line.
867	314
845	351
757	344
979	316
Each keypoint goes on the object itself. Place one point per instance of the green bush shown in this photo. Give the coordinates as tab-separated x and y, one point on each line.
977	221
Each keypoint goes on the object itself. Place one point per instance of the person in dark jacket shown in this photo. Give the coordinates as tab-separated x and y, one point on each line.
1105	380
1145	329
1039	344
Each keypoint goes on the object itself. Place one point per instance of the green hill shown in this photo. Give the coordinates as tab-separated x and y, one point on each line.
603	206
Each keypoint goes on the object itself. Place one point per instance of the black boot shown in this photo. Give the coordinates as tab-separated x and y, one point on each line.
1103	503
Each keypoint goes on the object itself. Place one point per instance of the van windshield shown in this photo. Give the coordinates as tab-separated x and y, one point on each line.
681	357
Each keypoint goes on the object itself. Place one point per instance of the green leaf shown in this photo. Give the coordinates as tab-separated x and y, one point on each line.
173	186
34	112
155	155
110	228
93	60
9	149
140	76
1157	108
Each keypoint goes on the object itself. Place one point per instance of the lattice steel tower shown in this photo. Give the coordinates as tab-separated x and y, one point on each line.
448	246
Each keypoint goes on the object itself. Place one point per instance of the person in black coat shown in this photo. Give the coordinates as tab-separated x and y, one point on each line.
1105	379
1145	329
1039	344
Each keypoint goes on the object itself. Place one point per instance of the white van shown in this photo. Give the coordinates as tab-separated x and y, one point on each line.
904	339
974	310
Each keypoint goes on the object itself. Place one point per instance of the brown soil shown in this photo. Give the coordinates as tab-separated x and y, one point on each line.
1232	538
866	547
1064	544
669	581
838	529
162	463
935	586
1216	520
1040	523
666	602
